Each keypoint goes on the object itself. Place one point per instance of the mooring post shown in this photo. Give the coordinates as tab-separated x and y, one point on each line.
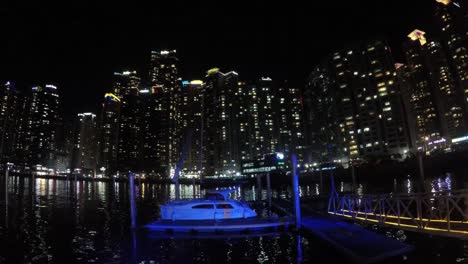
421	171
131	180
295	187
259	187
299	249
33	184
193	188
6	196
353	177
321	178
268	192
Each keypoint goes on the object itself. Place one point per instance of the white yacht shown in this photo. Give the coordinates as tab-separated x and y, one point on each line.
216	205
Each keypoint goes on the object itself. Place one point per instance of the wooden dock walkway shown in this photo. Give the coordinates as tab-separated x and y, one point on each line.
353	241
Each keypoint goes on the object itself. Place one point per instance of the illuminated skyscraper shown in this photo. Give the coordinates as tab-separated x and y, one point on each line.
42	126
128	155
109	133
189	123
406	84
9	119
153	132
248	120
355	104
321	123
438	115
453	23
164	71
289	121
125	83
164	77
221	123
85	144
21	146
65	145
261	106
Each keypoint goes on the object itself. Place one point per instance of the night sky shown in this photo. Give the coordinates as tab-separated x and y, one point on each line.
78	47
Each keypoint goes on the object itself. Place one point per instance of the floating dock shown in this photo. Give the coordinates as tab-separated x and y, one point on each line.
361	245
221	226
355	242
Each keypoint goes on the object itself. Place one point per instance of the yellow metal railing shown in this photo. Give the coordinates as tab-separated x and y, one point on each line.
445	211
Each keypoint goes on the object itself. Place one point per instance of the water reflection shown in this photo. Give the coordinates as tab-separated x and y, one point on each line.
442	183
58	221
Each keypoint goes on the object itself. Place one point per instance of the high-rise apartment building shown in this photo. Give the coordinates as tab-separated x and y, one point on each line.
437	113
85	144
128	156
452	20
9	120
189	123
109	133
289	121
41	129
125	83
153	124
165	79
221	123
354	102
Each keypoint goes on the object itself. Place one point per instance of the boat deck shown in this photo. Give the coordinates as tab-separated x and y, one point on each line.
228	225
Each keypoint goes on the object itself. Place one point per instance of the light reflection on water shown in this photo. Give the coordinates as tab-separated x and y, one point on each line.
55	221
58	221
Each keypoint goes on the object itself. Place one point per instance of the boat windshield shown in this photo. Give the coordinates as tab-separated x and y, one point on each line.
214	197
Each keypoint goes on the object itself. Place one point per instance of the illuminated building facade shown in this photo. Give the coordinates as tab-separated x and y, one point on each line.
221	123
437	113
406	84
42	124
109	133
153	132
452	20
9	120
164	77
65	146
321	123
21	152
85	144
128	155
247	121
289	136
262	125
125	83
354	103
189	123
125	86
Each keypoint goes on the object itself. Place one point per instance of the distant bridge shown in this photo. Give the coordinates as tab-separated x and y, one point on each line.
438	213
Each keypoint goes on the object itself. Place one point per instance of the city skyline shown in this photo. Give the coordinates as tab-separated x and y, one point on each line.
230	132
81	52
360	101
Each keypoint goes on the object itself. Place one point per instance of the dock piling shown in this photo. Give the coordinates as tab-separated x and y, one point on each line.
131	180
6	196
259	187
268	193
295	187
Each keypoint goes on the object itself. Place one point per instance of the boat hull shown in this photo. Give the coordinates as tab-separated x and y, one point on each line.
188	212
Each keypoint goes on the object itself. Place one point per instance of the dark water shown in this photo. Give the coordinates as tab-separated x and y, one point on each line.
57	221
